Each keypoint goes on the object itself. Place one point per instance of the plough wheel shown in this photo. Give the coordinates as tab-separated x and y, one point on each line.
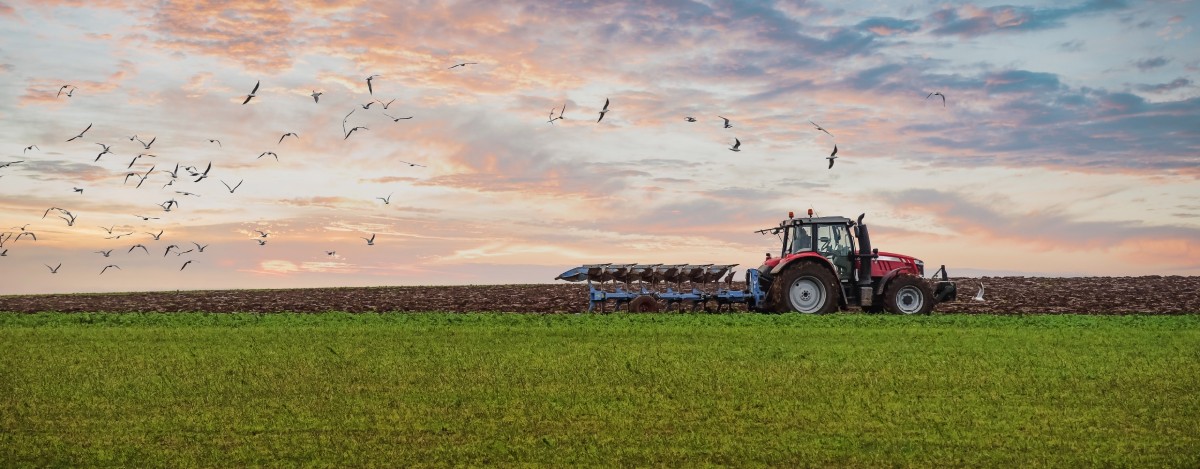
643	304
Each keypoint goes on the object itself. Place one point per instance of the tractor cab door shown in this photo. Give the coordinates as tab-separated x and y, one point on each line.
834	242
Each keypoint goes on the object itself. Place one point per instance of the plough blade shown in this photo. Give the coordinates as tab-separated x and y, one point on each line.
698	277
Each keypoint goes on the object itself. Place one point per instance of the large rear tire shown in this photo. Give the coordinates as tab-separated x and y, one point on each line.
808	288
907	294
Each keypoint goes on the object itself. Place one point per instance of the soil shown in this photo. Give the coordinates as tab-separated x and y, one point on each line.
1003	295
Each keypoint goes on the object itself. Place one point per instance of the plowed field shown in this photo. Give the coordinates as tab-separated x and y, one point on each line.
1003	295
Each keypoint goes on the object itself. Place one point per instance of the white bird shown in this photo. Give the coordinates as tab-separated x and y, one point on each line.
727	124
371	240
938	93
252	92
234	188
107	266
979	294
53	270
81	133
316	96
464	64
832	156
602	111
185	264
386	200
819	128
369	88
736	144
289	134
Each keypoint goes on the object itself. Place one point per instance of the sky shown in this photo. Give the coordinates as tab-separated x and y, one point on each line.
1068	143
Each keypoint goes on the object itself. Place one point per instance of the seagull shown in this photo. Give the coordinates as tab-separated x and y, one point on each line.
352	131
316	96
213	140
199	247
371	240
819	128
938	93
169	248
81	133
234	188
602	111
71	220
60	90
187	193
166	206
385	105
44	214
368	105
261	242
185	264
156	236
23	233
106	151
265	153
979	294
146	218
397	119
31	147
727	124
369	89
78	189
464	64
4	253
132	162
550	118
736	144
204	174
109	230
344	119
252	92
690	119
386	200
832	156
262	234
107	266
147	145
144	176
118	236
53	270
131	248
105	253
330	253
411	164
289	134
10	163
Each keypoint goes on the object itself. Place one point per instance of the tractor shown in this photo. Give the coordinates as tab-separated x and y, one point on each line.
827	263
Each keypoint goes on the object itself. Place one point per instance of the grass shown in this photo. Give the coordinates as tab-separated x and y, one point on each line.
338	390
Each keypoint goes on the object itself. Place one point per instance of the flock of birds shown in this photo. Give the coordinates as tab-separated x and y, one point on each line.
187	174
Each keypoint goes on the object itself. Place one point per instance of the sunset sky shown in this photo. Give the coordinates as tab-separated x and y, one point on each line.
1069	142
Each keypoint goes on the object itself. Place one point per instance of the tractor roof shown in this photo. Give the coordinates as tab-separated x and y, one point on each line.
809	221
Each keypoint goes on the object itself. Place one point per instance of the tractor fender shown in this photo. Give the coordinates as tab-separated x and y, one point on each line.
885	279
810	256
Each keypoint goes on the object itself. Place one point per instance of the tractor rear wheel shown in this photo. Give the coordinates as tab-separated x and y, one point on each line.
907	294
643	304
807	288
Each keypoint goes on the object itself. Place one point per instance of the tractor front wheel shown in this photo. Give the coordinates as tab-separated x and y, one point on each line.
807	288
907	294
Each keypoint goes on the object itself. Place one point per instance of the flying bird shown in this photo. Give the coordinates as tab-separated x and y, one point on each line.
819	128
213	140
10	163
690	119
31	147
369	88
156	236
78	189
53	270
371	240
464	64
261	242
81	133
368	105
316	96
385	105
252	92
832	156
411	164
352	131
289	134
105	253
187	193
204	174
106	151
262	234
185	264
131	248
144	176
330	253
386	200
199	247
23	233
265	153
979	294
603	111
397	119
727	124
107	266
60	90
147	145
169	248
234	188
145	218
938	93
736	145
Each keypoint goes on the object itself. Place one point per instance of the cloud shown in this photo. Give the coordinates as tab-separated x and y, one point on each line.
1151	63
880	26
6	10
972	21
254	34
1166	87
1072	46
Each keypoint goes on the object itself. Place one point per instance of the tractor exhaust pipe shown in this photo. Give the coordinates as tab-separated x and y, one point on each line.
865	257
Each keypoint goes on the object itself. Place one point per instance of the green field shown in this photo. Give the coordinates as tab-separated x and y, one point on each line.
397	390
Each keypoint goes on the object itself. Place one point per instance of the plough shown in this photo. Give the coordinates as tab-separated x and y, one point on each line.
640	287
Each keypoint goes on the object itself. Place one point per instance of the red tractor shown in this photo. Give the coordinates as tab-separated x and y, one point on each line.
827	263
